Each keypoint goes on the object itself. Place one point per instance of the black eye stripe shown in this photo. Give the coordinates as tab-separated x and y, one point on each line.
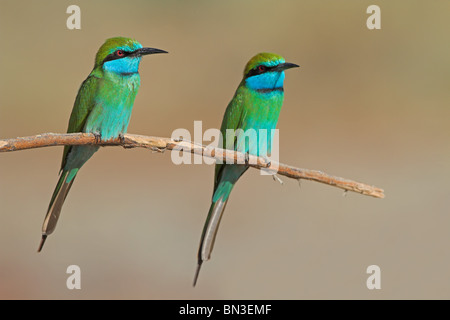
255	71
114	56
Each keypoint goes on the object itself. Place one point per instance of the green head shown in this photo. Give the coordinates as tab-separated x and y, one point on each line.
265	72
122	55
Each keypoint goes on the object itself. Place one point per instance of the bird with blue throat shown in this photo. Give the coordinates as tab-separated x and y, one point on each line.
255	106
102	107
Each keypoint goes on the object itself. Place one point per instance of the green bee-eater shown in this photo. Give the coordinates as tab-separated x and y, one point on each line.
256	105
102	107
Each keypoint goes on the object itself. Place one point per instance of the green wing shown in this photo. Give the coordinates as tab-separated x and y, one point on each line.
232	119
84	103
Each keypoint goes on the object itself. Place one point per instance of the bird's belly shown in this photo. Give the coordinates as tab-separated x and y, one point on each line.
257	137
109	121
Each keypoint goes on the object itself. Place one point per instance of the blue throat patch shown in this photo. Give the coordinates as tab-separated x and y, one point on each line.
266	82
124	66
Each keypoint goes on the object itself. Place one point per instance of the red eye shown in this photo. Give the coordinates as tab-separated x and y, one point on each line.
120	53
262	68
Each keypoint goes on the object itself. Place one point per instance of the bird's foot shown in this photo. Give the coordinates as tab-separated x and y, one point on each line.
121	138
267	161
98	137
122	141
247	158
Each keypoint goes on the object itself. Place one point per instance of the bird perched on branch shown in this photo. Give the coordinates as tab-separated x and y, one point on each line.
102	107
255	106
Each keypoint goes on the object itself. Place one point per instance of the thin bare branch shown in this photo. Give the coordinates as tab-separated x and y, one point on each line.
162	144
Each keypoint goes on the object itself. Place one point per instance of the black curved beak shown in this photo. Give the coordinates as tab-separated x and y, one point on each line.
285	66
145	51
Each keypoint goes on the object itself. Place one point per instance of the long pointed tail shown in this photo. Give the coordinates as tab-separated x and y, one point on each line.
54	209
212	225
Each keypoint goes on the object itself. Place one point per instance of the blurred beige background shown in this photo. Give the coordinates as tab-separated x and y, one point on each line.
366	105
